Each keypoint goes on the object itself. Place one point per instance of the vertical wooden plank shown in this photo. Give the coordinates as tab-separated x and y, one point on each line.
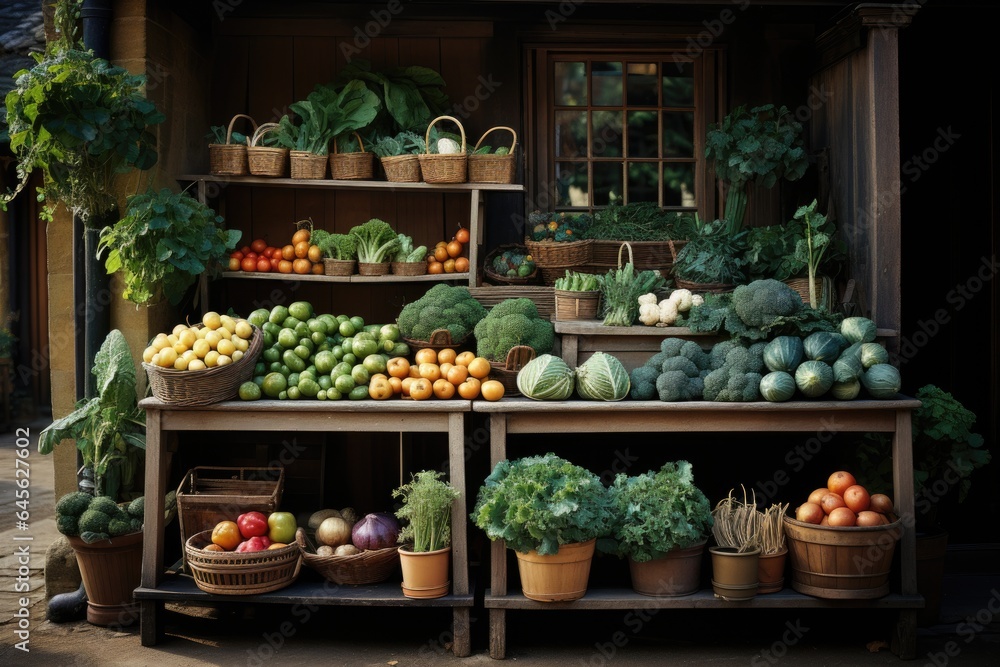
456	463
462	646
313	63
155	490
498	548
902	482
425	51
230	78
270	86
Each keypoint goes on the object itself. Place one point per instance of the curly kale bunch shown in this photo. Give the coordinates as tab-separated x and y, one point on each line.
510	323
441	307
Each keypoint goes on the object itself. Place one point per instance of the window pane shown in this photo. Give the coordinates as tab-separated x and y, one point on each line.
643	179
607	183
570	134
607	84
571	184
571	84
642	84
678	84
607	133
678	184
642	134
678	134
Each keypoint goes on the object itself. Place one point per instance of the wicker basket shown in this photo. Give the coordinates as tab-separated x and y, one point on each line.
572	305
266	160
675	248
351	166
440	340
560	254
306	165
703	288
492	168
247	573
409	268
653	255
500	279
339	267
448	168
212	385
542	296
208	495
824	285
373	268
229	159
367	567
506	372
401	168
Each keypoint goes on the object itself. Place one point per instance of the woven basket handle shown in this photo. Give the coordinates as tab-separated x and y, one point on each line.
261	131
427	134
360	143
518	356
513	143
622	247
229	131
440	337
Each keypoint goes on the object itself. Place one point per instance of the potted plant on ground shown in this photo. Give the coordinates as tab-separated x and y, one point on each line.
164	243
773	552
736	553
109	431
946	452
550	512
426	512
662	521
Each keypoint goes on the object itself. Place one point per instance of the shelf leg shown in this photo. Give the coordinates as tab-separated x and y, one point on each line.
151	622
902	480
462	646
156	482
498	634
904	640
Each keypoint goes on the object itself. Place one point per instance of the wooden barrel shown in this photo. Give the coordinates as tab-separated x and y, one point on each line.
841	563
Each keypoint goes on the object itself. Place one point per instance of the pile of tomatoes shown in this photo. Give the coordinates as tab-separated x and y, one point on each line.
299	257
436	374
446	257
845	503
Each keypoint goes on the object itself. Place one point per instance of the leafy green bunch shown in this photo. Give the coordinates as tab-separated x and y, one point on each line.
334	246
408	97
714	254
375	240
403	143
426	511
636	221
163	243
80	121
325	114
541	502
656	512
561	226
109	429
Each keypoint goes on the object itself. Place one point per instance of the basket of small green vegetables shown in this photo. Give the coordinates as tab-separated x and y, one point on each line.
578	296
409	260
622	287
510	264
339	252
489	166
227	155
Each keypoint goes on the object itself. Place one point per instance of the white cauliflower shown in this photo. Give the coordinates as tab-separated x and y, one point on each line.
683	299
649	314
668	312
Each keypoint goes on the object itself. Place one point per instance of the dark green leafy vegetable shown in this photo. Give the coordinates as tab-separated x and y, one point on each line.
712	255
409	97
621	289
637	221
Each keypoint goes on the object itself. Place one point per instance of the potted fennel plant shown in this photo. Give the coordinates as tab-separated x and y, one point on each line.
551	513
425	554
661	524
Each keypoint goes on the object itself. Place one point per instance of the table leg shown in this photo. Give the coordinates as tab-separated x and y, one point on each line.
459	519
498	549
151	622
498	634
905	637
463	639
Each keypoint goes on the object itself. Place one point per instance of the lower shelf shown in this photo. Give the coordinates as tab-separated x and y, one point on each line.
181	588
622	598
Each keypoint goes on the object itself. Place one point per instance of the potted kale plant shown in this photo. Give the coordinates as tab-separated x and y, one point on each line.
661	524
551	513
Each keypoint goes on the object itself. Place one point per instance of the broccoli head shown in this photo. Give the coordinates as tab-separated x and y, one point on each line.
441	307
676	385
738	378
691	350
94	521
137	508
513	322
671	347
105	505
759	303
644	383
67	525
682	364
73	504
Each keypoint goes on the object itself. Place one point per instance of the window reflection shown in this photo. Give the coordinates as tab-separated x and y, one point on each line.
606	83
571	84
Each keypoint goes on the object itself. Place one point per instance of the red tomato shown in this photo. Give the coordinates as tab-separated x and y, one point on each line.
263	265
234	264
236	255
258	245
274	262
269	251
250	255
245	249
248	264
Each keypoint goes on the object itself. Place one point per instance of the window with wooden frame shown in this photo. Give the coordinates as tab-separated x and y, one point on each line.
620	127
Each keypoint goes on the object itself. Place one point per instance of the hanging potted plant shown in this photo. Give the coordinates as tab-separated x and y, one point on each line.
109	431
550	512
424	556
662	521
736	553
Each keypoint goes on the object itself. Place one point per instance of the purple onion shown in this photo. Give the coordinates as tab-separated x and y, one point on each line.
379	530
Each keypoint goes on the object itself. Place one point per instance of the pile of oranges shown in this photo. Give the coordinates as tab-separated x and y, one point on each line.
300	256
844	503
436	374
446	257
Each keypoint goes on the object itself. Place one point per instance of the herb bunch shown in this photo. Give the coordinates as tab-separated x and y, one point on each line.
714	254
426	510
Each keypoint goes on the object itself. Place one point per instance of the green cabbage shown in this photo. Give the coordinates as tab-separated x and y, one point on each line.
824	346
858	329
602	378
546	378
777	386
784	353
882	381
846	391
814	378
873	353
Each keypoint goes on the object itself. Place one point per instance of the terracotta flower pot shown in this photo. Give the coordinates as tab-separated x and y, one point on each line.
425	573
676	573
771	571
111	571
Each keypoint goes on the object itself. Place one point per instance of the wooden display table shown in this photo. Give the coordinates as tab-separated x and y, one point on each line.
163	424
524	416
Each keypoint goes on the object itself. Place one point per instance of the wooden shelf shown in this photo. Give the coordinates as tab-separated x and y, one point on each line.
306	590
328	184
603	599
309	277
595	328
